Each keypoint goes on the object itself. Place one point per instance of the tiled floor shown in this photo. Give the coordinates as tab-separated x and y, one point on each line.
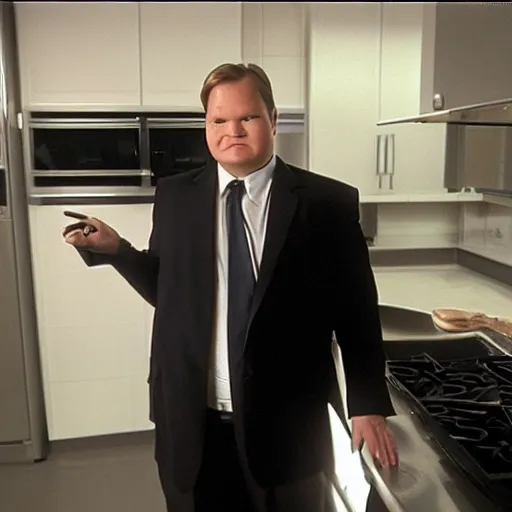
107	478
123	478
116	475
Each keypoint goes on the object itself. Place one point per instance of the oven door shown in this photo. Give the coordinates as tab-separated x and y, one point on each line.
85	152
176	145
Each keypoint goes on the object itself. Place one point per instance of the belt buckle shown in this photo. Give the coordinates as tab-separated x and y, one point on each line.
226	416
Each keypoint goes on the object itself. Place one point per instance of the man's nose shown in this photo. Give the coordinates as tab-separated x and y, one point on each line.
237	129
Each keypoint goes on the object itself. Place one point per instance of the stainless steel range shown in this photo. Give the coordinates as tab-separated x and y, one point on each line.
452	395
462	391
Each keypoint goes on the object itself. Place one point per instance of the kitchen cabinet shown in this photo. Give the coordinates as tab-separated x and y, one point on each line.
78	54
180	43
94	330
412	156
457	50
343	92
411	159
273	37
347	93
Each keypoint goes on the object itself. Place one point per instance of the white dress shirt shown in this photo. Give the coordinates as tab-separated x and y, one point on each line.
255	204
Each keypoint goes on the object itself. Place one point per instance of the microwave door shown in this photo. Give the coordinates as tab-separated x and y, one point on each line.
85	152
176	146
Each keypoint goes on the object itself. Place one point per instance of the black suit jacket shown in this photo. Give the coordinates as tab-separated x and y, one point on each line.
315	279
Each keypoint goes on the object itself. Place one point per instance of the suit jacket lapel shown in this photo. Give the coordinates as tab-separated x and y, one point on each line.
283	203
201	206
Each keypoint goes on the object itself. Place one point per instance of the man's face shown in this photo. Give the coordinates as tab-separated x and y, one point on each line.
239	131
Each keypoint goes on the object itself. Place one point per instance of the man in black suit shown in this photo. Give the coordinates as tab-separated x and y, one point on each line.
252	266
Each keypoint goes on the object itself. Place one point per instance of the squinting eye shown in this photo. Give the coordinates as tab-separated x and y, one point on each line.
219	121
248	118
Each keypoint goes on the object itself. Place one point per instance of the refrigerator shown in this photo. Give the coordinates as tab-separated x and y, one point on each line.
23	431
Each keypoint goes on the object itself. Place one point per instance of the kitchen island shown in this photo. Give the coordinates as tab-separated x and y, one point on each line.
427	479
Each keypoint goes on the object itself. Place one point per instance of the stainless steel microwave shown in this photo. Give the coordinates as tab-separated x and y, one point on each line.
78	151
176	144
121	154
120	150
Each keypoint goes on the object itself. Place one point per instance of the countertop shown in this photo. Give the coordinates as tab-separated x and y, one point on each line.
442	286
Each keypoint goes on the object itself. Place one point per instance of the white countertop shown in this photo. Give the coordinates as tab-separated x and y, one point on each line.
449	286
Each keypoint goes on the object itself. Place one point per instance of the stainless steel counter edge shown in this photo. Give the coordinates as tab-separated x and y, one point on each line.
100	198
498	199
446	488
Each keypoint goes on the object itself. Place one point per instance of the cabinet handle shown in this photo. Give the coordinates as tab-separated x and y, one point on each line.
392	151
3	189
378	161
386	154
438	102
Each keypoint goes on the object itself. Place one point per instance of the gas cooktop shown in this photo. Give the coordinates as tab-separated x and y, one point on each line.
466	402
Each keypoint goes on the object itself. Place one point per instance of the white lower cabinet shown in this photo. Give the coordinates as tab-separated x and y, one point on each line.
412	159
94	330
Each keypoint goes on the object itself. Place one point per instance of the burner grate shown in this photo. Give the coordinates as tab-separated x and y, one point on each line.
469	405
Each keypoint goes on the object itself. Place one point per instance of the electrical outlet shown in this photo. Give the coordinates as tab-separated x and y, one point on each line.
498	228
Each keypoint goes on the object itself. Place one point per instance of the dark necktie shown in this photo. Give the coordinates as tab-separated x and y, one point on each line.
241	280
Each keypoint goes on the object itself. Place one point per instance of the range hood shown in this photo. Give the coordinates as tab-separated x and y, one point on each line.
497	112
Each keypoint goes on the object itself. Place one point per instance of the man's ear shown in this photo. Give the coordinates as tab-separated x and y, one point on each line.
273	119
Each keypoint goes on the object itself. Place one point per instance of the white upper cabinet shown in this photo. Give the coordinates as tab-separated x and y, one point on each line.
343	92
115	55
412	155
456	50
181	43
273	37
402	48
81	54
348	93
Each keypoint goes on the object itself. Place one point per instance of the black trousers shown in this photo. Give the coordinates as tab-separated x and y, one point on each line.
222	483
225	484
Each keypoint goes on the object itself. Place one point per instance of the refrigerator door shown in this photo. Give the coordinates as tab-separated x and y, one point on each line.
23	432
14	425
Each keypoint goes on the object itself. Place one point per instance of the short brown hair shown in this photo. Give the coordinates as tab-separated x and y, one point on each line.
233	73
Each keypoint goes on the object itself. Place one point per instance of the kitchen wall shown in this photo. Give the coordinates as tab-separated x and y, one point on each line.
345	66
487	230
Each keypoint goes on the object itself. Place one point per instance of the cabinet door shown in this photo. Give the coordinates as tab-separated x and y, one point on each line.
400	60
93	331
415	159
283	51
415	153
79	54
343	93
273	37
459	50
181	43
472	53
